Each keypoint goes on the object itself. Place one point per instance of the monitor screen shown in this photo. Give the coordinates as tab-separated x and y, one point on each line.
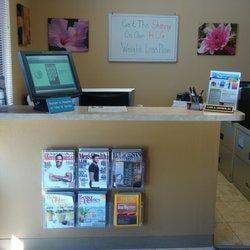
49	74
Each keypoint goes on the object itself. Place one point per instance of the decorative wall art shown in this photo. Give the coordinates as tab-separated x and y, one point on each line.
217	39
23	25
68	34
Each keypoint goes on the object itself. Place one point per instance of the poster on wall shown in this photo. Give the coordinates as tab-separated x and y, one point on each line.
143	38
66	34
217	39
23	25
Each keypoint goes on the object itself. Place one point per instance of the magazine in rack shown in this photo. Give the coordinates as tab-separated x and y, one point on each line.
59	210
127	209
58	169
91	211
127	168
93	168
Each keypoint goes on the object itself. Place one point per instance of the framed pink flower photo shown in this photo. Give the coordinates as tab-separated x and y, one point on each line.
217	39
68	34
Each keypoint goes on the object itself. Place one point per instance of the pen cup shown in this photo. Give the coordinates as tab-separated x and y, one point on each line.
194	106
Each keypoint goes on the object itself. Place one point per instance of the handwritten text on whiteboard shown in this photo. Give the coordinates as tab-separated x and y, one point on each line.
142	37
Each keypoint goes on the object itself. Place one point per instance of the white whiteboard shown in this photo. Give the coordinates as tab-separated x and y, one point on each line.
143	38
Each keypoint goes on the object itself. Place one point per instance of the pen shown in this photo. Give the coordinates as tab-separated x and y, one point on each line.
191	94
200	96
194	91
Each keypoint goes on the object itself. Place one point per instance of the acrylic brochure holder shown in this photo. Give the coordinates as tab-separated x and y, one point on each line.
223	91
79	186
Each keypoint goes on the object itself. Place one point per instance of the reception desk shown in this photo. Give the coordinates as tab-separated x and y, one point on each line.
181	174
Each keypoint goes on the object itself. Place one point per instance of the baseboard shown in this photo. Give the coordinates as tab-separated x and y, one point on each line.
94	243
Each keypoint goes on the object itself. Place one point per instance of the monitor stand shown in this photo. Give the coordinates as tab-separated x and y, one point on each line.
41	105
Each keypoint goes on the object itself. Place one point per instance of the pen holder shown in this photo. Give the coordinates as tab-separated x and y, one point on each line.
194	106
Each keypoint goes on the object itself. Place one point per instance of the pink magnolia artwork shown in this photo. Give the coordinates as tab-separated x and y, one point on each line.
217	39
68	34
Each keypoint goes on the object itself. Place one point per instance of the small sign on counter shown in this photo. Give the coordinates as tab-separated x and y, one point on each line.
60	104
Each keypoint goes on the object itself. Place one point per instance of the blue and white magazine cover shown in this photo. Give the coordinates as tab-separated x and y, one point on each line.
91	210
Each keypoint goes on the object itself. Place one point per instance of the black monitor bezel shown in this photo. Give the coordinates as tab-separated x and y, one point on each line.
22	55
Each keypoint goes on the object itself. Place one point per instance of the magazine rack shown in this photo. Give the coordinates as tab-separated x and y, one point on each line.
71	199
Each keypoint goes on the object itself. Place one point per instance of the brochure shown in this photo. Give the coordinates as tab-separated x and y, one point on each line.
224	88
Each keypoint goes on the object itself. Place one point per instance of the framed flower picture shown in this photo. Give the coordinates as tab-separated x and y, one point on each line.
23	25
217	39
68	34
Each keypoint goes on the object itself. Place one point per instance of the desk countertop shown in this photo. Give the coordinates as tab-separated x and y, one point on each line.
19	112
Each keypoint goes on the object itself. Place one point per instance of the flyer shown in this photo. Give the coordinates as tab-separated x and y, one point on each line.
127	168
58	169
91	210
224	88
127	209
59	210
93	168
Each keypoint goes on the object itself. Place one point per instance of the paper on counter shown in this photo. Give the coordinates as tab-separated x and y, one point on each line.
107	109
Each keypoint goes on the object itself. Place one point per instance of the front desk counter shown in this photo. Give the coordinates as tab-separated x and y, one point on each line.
181	173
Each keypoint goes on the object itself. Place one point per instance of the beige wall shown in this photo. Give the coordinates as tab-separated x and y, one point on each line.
156	83
18	85
179	191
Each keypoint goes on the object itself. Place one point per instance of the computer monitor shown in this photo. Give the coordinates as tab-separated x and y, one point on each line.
49	74
107	97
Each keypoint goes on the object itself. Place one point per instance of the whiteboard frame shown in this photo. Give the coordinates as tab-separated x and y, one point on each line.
123	59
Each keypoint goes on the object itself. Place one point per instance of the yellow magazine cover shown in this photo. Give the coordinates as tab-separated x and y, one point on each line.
127	209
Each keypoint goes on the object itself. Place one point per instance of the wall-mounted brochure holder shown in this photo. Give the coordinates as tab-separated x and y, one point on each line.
71	200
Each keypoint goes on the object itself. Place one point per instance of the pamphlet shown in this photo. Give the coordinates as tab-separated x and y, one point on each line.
59	210
127	209
58	169
93	166
91	210
223	88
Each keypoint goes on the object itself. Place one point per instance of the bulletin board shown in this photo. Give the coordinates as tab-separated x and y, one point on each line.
143	38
